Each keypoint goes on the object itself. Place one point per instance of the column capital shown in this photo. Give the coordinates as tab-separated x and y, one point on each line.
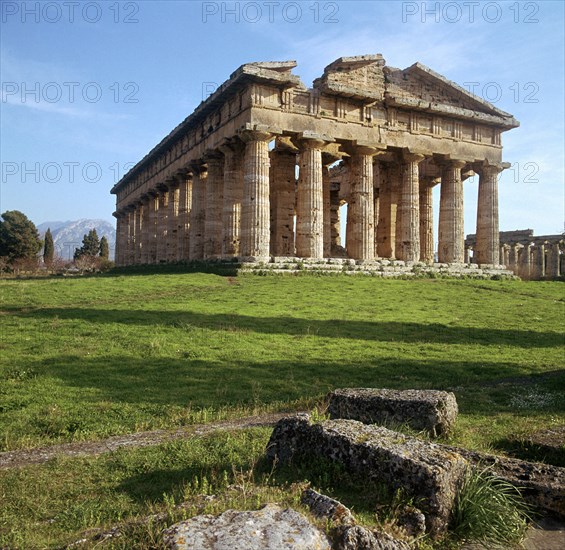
488	169
451	163
363	148
408	156
212	155
230	146
248	135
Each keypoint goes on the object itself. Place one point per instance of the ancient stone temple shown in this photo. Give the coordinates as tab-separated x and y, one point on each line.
261	168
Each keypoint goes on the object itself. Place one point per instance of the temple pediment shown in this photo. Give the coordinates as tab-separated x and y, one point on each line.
420	88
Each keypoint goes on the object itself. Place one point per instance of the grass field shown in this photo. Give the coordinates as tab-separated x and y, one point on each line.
85	358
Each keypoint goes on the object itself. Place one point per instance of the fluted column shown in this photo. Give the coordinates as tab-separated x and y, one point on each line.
553	267
152	228
327	216
138	213
119	236
233	197
131	236
451	236
360	219
378	175
409	206
310	201
162	226
185	197
524	261
255	215
172	219
214	205
143	257
488	242
197	212
335	222
538	271
426	220
386	230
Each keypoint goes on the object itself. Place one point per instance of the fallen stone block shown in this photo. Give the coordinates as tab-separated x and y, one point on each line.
323	506
361	538
423	470
271	528
541	485
430	410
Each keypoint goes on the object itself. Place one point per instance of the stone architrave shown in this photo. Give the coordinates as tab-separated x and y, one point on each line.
232	197
426	220
255	210
409	208
451	248
360	229
488	244
197	212
310	200
214	205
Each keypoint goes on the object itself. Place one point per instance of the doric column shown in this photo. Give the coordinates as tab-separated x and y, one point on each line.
185	198
377	182
162	226
360	220
488	242
310	201
552	269
197	212
282	177
386	230
172	219
233	196
335	221
138	232
538	271
119	238
255	230
409	207
130	259
451	236
153	207
327	216
426	220
214	205
144	230
524	261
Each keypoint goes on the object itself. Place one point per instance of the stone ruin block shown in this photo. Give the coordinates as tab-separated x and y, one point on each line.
430	410
423	470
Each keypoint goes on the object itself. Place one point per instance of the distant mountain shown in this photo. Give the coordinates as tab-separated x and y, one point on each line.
68	236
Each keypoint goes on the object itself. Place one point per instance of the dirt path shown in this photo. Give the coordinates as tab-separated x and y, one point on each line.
39	455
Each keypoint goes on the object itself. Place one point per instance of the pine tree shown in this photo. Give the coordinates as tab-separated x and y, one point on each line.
19	238
90	245
48	248
104	248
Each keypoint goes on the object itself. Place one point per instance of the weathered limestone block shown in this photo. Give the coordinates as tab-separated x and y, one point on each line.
421	469
430	410
361	538
323	506
541	485
270	528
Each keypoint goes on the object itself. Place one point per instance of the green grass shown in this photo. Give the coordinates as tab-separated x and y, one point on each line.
85	358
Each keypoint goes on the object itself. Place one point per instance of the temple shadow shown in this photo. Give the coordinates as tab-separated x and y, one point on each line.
379	331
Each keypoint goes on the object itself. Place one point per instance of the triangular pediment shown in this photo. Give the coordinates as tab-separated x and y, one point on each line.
420	83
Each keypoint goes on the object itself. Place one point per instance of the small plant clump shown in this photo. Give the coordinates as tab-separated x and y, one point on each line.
489	510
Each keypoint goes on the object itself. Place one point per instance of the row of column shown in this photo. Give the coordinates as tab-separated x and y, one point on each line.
240	201
534	261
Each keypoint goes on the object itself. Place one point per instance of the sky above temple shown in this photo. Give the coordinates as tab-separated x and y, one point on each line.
88	88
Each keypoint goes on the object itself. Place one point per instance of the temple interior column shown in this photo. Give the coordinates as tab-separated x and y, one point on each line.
185	196
361	245
426	220
488	243
172	220
310	201
255	209
283	198
409	208
214	205
197	212
451	236
233	196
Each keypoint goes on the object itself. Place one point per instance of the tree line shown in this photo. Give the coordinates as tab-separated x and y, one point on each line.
20	243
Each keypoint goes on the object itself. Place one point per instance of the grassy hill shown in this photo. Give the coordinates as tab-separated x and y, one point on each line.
85	358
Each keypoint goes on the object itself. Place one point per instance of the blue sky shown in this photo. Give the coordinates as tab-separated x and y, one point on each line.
89	88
